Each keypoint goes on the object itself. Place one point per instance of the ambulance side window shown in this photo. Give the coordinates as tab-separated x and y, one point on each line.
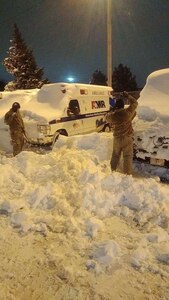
73	108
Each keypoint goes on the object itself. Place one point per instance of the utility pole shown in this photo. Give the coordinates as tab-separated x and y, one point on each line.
109	42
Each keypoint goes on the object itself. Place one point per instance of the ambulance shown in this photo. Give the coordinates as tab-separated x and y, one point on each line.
76	109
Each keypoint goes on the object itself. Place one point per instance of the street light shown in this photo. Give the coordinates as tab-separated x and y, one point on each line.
109	42
71	79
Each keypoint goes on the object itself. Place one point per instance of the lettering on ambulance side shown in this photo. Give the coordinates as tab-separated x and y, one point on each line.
98	104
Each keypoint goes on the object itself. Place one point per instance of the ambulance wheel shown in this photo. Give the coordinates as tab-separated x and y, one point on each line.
106	128
58	132
63	132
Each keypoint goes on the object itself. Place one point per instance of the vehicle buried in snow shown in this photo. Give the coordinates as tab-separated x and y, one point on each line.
155	153
151	142
62	108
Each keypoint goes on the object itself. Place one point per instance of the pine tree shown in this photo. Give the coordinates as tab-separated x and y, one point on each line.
123	79
21	64
2	85
98	78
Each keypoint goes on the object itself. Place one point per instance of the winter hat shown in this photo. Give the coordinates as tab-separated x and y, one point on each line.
16	105
119	103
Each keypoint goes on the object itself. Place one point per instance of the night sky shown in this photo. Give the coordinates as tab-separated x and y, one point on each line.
68	37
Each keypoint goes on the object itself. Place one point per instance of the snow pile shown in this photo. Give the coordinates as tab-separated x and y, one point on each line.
40	105
155	96
152	123
71	191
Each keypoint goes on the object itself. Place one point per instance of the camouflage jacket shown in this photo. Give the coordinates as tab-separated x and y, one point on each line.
14	120
121	119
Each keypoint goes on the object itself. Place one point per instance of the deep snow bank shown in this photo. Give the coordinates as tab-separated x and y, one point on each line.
152	123
154	98
71	191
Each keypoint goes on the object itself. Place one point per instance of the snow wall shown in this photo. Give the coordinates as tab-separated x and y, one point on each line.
154	98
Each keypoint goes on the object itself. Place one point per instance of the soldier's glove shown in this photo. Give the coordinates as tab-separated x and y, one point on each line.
112	109
125	94
14	115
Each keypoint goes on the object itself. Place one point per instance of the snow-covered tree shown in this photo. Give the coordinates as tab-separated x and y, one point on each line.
2	85
98	78
21	64
123	79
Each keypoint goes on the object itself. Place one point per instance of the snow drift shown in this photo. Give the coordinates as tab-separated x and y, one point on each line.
154	98
152	124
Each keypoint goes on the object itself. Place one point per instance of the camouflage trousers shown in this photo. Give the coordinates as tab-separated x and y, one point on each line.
17	141
122	145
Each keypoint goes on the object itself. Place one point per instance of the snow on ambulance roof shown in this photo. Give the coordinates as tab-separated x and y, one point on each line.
31	107
49	101
40	104
72	86
57	91
155	95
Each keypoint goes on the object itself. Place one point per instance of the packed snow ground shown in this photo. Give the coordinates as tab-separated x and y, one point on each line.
72	230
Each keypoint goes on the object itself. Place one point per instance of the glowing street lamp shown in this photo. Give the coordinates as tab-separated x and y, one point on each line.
109	42
71	79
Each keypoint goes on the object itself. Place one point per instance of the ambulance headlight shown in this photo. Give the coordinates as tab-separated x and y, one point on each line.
44	129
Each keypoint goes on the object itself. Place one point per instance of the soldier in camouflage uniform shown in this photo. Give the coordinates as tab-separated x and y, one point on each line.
121	120
17	131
